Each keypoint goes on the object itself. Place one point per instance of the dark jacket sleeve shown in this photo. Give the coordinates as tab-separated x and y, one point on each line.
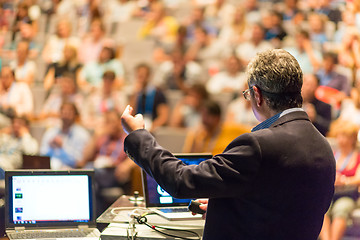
215	177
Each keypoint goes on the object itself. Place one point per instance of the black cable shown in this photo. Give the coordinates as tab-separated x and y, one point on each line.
143	220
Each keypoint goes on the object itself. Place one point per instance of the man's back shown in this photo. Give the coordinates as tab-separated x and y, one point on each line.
290	192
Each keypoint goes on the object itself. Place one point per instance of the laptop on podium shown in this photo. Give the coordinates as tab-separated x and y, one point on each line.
50	204
161	202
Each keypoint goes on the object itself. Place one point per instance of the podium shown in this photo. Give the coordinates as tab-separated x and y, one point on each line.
122	226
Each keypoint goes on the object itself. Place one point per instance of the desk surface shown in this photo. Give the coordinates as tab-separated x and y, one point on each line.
118	217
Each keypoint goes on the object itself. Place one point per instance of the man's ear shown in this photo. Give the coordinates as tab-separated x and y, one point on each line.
257	96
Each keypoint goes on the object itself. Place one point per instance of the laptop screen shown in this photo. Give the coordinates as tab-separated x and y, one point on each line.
49	198
155	196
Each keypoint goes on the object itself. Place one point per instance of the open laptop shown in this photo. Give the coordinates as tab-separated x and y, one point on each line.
163	203
50	204
35	162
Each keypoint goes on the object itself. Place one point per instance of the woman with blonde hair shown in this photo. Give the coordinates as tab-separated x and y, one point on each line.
69	64
347	181
54	46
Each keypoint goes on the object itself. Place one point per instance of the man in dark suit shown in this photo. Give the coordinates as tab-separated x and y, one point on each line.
274	183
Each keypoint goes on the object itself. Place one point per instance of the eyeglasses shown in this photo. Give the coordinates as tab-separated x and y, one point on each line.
246	94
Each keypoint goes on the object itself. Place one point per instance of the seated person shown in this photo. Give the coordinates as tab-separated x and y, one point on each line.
178	74
24	68
68	64
102	100
15	95
54	45
318	111
15	141
159	26
67	93
93	42
308	57
350	107
330	78
347	181
207	51
187	112
230	80
92	72
65	143
257	43
149	100
203	137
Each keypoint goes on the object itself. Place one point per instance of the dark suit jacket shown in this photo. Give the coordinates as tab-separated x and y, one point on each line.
272	184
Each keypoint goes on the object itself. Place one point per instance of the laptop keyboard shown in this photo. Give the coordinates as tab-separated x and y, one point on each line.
52	234
173	210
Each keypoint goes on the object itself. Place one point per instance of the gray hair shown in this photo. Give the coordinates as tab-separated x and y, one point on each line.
279	77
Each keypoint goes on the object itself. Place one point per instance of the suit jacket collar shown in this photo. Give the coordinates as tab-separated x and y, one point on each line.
297	115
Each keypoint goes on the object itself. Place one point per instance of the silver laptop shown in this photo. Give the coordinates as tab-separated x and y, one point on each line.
162	202
50	204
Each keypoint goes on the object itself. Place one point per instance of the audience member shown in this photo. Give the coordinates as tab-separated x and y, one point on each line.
230	80
203	137
327	8
308	57
318	111
92	72
68	92
88	12
291	11
92	43
143	8
4	23
317	29
349	52
207	51
177	73
159	26
274	31
197	20
237	31
350	107
28	34
219	13
15	95
347	180
257	43
105	99
15	141
330	78
65	144
118	12
25	69
348	23
54	46
253	11
69	64
187	111
149	100
21	15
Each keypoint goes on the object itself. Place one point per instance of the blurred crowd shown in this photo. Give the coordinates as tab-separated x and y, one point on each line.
70	67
